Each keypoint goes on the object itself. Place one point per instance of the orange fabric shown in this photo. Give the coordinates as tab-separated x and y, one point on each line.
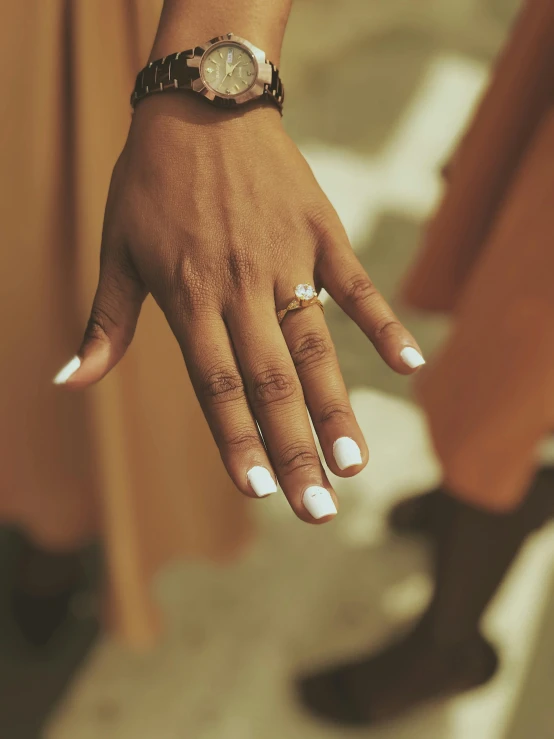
132	458
489	257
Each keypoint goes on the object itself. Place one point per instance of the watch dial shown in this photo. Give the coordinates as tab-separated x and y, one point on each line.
229	69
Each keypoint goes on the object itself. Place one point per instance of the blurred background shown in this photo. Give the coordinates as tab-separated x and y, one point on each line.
378	95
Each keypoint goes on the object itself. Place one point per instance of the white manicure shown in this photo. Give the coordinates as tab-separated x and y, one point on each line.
347	453
65	373
412	357
261	481
318	502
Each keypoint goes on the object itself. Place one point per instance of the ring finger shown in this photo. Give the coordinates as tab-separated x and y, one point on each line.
315	359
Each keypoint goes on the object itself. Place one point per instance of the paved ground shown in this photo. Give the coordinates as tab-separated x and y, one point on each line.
377	95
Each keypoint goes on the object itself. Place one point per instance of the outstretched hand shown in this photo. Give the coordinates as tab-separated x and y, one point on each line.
219	217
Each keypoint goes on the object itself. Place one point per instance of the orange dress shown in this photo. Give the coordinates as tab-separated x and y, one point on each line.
489	258
131	459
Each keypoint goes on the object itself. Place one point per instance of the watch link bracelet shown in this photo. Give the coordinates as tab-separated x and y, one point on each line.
227	71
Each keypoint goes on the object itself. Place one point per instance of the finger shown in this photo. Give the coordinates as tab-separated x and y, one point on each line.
111	326
346	281
316	363
278	405
219	387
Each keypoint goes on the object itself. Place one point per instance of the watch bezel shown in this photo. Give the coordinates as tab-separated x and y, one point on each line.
262	68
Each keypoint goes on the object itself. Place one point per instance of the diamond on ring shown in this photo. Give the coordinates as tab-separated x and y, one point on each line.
304	292
304	296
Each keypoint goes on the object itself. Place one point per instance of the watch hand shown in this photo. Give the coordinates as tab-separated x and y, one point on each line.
236	64
232	69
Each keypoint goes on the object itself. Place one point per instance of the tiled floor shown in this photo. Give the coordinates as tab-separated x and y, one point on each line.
377	95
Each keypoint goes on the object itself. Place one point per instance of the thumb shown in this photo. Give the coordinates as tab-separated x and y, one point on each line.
110	328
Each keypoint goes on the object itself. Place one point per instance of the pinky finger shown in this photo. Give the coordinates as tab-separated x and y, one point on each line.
344	278
111	325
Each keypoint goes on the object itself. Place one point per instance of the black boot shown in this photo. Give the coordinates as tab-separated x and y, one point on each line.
445	654
408	673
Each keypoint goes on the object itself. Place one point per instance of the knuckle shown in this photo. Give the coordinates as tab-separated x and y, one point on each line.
221	385
298	456
184	273
360	289
187	283
273	385
100	324
326	227
241	441
321	216
335	411
385	328
312	348
241	268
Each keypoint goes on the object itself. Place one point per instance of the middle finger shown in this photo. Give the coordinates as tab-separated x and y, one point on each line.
278	405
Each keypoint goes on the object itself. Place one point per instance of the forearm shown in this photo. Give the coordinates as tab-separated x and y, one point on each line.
186	23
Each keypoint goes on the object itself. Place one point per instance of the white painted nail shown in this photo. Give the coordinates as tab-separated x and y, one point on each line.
261	481
347	453
318	502
412	357
65	373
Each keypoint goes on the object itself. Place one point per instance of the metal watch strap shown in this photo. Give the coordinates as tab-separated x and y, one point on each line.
170	72
275	90
173	72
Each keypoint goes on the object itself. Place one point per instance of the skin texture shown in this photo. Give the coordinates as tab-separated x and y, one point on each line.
184	23
218	216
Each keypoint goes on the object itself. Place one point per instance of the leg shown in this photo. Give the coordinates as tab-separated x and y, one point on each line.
445	653
423	514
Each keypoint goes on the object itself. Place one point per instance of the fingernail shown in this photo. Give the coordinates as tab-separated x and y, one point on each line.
261	481
412	357
318	502
347	453
65	373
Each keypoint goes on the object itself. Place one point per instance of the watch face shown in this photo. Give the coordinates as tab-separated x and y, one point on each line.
229	69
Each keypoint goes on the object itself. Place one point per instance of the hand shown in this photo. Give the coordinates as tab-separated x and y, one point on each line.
219	217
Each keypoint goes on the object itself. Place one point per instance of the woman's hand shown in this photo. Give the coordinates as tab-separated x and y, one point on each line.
219	217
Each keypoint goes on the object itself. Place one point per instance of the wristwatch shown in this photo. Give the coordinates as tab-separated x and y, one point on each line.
227	70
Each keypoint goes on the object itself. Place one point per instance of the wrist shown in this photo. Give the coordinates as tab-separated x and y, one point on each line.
185	112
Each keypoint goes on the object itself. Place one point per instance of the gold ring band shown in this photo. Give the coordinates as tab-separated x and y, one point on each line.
305	297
